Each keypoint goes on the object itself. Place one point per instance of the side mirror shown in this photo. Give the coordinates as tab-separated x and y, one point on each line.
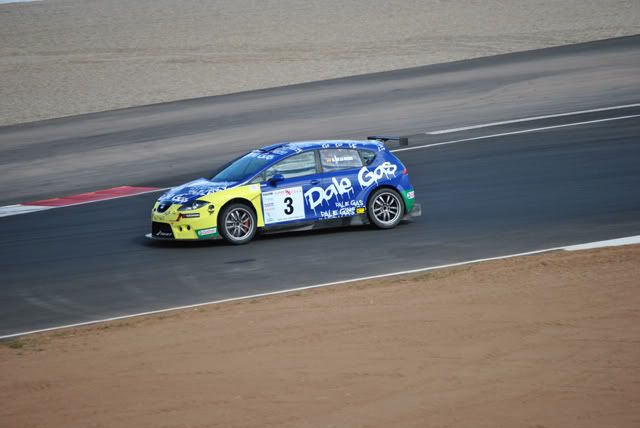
276	179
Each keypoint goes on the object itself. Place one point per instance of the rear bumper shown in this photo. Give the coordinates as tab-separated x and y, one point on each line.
416	211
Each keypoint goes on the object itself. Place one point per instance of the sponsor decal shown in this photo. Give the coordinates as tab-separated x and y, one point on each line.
367	177
360	210
411	194
283	205
207	232
260	155
254	187
286	149
161	233
342	212
179	199
189	215
338	159
343	209
337	189
193	189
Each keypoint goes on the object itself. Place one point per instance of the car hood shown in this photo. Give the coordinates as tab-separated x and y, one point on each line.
193	190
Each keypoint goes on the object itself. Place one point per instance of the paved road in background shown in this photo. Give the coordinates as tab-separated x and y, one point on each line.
481	198
169	143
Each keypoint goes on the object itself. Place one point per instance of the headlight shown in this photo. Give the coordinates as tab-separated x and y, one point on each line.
193	205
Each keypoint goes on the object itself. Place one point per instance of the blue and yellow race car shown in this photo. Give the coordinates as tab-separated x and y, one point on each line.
289	186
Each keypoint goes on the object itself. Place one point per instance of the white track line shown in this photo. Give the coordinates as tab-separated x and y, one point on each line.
8	210
16	209
614	242
630	240
524	131
531	118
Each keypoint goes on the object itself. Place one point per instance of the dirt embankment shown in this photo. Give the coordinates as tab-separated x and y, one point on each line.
65	57
545	341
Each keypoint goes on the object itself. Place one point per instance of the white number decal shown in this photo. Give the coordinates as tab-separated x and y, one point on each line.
283	205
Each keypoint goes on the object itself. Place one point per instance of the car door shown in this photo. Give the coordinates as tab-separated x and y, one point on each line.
283	201
341	195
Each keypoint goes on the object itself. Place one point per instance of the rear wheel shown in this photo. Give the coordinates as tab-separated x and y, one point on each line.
237	223
386	208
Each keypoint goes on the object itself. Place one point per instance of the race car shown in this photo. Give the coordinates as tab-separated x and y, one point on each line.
289	186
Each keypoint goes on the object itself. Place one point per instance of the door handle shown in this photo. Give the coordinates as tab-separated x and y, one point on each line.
314	182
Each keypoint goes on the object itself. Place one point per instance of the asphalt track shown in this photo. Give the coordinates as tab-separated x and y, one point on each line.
481	198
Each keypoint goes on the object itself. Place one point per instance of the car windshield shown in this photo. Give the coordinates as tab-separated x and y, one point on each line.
245	167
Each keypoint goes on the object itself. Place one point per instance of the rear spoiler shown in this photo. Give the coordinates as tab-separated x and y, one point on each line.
403	141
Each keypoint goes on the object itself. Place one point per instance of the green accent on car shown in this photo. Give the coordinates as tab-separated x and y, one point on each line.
208	233
409	199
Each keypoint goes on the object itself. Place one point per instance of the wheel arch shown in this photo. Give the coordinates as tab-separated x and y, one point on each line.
238	200
385	186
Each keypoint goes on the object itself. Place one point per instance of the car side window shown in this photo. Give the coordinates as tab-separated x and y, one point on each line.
339	159
258	179
294	166
367	156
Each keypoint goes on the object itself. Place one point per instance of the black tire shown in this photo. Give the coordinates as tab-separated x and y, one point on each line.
237	223
386	208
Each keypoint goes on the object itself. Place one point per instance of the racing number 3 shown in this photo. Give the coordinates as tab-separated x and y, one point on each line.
288	205
283	205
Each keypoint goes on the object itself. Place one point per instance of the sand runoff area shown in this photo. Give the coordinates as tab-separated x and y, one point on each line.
550	340
66	57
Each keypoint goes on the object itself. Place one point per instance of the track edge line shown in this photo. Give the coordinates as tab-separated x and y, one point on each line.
628	240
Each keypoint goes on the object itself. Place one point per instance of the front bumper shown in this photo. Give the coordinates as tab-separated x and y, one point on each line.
190	226
157	238
160	232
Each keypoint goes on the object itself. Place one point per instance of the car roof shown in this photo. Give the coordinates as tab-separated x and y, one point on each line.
288	148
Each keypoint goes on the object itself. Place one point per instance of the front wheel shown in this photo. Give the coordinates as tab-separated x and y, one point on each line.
386	208
237	224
